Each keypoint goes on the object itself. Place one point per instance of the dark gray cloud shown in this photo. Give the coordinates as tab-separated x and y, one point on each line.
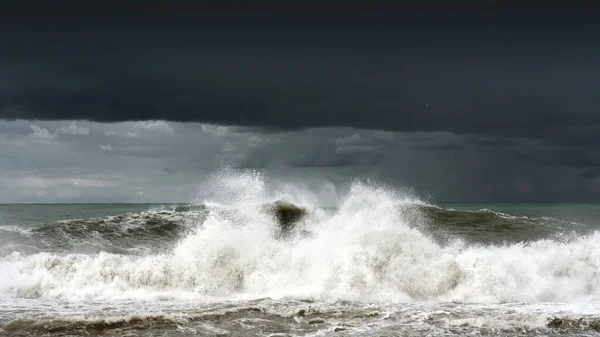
162	161
271	91
476	69
474	102
589	174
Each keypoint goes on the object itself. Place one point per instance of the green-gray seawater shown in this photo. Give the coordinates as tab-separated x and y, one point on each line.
377	264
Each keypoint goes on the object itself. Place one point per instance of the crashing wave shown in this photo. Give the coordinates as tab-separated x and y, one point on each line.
377	244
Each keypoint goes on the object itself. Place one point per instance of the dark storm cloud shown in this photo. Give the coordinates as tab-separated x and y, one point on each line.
464	69
589	174
504	98
321	157
549	153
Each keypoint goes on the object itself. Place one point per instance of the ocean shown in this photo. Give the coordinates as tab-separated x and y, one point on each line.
253	262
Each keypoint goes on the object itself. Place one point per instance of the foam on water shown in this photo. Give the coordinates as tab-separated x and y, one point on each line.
366	250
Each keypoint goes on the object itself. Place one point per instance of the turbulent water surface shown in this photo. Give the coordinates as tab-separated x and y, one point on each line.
257	262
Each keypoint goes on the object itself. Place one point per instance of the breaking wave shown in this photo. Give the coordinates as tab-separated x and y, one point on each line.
376	244
129	233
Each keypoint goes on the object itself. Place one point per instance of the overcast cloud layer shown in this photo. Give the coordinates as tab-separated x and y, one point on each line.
463	103
157	161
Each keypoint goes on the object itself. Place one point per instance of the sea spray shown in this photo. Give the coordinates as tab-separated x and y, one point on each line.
368	248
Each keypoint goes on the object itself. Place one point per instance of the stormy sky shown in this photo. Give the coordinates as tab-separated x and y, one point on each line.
132	103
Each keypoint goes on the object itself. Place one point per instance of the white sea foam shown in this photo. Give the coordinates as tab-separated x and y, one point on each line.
16	229
365	250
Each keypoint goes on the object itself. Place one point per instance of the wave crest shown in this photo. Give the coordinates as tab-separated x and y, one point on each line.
377	244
